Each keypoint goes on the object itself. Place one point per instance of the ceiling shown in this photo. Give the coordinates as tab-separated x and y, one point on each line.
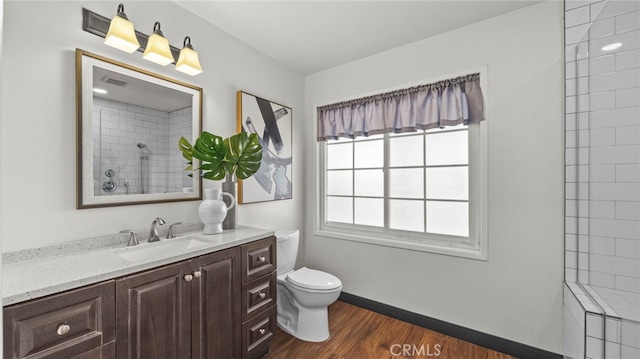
122	88
311	36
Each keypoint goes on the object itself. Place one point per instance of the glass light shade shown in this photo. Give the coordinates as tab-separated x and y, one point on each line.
122	35
158	50
188	62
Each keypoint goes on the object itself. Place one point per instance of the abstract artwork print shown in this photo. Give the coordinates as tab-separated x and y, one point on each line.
272	123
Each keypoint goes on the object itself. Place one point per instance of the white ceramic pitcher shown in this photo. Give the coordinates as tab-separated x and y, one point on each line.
213	210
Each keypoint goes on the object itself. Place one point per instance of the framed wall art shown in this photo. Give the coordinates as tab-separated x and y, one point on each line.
272	123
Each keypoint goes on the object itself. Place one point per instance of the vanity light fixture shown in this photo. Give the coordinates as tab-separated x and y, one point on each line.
188	61
121	34
155	48
158	48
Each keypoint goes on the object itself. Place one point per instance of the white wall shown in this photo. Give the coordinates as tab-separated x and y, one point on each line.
517	293
37	182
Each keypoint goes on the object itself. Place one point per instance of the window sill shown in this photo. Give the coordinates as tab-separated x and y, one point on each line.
402	242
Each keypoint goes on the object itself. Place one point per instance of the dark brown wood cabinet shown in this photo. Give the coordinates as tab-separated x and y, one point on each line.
216	306
220	305
184	310
258	297
76	324
154	314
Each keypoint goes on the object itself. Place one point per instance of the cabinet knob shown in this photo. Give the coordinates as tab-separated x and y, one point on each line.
262	331
262	295
262	259
63	329
197	274
188	277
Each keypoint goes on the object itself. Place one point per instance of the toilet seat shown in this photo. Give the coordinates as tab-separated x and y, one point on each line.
305	278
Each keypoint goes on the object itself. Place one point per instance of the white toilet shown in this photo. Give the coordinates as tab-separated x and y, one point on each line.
303	294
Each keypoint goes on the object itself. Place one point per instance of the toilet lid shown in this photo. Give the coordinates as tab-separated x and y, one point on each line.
313	279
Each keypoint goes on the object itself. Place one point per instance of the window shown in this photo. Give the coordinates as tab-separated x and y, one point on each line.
419	190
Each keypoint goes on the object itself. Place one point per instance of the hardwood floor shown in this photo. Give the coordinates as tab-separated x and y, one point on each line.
357	333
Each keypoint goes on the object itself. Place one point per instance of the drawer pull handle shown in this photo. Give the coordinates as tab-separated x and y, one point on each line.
197	274
262	331
262	295
188	277
63	329
262	259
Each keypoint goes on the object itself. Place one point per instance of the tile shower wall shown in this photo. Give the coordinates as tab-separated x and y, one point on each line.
579	16
602	241
157	168
609	92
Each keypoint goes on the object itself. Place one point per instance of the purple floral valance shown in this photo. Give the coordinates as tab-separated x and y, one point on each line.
444	103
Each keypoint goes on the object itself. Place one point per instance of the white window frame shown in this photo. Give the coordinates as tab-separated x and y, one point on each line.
473	247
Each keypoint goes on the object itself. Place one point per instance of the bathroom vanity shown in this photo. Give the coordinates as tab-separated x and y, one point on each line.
214	298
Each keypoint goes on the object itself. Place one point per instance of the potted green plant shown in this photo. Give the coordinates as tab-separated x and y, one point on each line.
238	156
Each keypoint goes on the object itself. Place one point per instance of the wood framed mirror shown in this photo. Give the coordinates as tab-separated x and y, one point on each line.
129	121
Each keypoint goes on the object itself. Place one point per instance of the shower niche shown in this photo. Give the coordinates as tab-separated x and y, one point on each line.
129	124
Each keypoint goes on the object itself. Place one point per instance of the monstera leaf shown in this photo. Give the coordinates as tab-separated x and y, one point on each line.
244	155
239	155
187	152
209	149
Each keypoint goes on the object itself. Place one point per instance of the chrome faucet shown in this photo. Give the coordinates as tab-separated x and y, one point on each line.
170	232
153	233
133	240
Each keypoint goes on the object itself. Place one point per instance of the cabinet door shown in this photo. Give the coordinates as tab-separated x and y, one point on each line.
153	314
216	305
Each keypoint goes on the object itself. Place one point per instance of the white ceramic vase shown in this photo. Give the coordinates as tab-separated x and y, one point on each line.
213	210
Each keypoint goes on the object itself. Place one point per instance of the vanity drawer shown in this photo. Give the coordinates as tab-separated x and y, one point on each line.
258	295
258	259
257	333
67	325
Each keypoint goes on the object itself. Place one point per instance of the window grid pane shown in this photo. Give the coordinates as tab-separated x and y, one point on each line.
448	183
406	183
340	155
450	218
339	209
368	154
446	148
369	183
340	182
406	151
424	193
406	215
369	211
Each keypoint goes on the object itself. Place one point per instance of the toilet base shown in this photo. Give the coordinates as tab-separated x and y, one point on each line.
312	324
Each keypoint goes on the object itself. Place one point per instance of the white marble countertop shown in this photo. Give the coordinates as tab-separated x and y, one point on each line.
43	272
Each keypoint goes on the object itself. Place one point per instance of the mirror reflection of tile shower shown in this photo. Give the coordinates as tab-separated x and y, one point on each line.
144	167
118	107
140	145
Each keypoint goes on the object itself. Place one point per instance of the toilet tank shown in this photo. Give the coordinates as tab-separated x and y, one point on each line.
287	249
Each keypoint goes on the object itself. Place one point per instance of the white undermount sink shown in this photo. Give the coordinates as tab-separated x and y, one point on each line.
164	248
